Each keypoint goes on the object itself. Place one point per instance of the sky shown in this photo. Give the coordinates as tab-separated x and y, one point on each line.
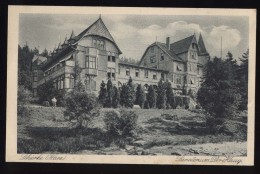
134	33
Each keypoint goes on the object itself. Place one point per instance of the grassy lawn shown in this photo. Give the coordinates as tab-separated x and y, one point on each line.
45	130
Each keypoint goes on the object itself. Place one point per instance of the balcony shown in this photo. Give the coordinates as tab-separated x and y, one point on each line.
89	71
55	74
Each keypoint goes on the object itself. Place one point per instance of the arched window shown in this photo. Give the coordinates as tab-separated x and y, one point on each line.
94	43
102	46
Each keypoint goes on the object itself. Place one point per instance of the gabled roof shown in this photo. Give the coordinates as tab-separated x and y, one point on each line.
97	28
202	48
164	48
181	46
38	59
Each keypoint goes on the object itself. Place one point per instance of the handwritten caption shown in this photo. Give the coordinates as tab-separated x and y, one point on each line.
42	157
226	159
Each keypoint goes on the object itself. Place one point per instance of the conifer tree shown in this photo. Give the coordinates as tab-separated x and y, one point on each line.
102	93
169	94
127	94
219	94
116	97
243	80
151	97
161	95
130	96
140	96
109	93
123	95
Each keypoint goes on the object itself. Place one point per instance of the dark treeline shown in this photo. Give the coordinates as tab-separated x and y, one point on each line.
224	88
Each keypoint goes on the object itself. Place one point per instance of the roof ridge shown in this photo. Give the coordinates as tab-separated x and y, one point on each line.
183	39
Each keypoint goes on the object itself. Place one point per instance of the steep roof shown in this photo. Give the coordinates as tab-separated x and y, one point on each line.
202	48
181	46
164	48
97	28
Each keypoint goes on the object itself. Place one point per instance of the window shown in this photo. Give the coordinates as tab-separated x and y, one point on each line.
178	80
193	45
71	81
94	43
146	73
155	76
111	73
108	58
127	72
162	76
136	72
58	81
189	67
152	59
98	44
162	57
113	59
192	56
108	74
118	70
90	62
102	45
55	84
61	83
191	81
179	68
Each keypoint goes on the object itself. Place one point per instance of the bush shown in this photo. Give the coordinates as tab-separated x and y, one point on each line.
22	111
198	106
121	125
146	105
46	103
186	102
24	95
81	104
179	101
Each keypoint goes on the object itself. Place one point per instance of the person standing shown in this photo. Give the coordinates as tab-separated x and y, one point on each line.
54	100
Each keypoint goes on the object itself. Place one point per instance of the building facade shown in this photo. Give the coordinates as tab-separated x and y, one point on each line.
96	53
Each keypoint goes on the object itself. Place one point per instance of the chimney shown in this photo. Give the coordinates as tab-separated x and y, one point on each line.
168	43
